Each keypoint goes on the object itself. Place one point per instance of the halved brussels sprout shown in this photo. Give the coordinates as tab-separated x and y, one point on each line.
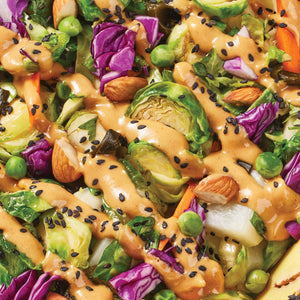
177	107
163	179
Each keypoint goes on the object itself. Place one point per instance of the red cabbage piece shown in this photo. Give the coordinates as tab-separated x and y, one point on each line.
112	49
10	14
28	286
244	32
291	173
294	229
238	67
170	260
151	25
256	120
38	159
137	282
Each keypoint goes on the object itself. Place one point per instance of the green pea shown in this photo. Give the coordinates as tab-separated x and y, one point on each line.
63	91
16	167
70	25
190	223
162	56
256	281
268	164
165	295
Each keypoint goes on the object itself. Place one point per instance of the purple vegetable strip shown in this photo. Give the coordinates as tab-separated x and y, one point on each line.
38	159
137	282
238	67
244	32
24	292
170	260
256	120
294	229
10	14
291	173
43	289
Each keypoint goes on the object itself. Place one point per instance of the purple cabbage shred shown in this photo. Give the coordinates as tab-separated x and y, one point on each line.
11	14
38	158
137	282
28	286
291	173
256	120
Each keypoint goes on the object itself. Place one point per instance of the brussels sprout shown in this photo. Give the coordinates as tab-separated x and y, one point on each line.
63	91
222	9
190	223
16	167
256	281
268	164
164	180
175	106
165	295
162	56
237	274
68	237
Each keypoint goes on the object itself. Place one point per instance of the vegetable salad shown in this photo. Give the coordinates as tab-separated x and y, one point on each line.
149	149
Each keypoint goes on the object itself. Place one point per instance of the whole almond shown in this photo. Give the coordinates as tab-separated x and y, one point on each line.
123	88
65	165
217	188
243	96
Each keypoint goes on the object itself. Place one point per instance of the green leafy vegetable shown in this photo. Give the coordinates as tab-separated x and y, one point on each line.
258	223
24	205
113	262
90	11
255	27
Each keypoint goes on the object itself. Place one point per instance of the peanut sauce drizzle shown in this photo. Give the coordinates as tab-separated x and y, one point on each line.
275	205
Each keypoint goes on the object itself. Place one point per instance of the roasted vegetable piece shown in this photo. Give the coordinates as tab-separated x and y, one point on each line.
70	239
222	8
175	106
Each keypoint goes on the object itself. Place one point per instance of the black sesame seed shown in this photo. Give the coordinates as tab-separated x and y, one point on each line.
178	249
64	209
210	76
275	183
195	85
64	269
79	208
164	224
183	165
107	266
89	288
225	129
115	228
250	56
236	129
57	222
74	254
15	251
100	161
188	250
162	237
203	21
282	25
195	48
141	127
70	213
192	274
177	159
263	70
148	209
83	139
121	197
38	193
260	11
244	200
120	211
59	215
63	223
134	121
92	217
181	97
33	111
189	240
23	230
111	167
282	13
32	187
235	241
36	51
95	181
202	268
51	226
15	41
259	49
183	242
173	238
202	89
86	220
83	160
77	275
224	52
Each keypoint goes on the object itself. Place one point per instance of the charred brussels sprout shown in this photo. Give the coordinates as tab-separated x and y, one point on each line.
175	106
222	8
163	179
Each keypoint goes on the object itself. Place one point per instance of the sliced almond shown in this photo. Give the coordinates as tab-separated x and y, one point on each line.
65	164
123	88
217	188
62	9
243	96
